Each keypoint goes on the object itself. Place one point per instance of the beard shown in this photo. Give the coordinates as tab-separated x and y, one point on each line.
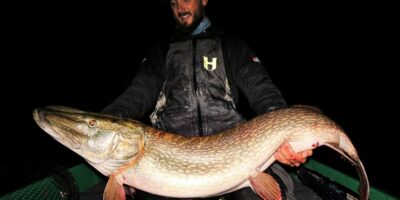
197	18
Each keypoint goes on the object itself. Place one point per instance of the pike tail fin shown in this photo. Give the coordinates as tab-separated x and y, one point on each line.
265	186
364	183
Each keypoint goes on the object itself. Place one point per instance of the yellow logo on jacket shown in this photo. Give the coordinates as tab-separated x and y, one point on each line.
210	66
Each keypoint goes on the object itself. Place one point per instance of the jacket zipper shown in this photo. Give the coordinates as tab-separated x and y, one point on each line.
199	119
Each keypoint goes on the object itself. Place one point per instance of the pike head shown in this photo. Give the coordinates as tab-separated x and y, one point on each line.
106	142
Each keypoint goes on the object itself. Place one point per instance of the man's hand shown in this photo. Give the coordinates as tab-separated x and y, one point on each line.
286	155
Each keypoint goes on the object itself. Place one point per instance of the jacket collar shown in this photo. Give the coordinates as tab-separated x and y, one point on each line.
204	30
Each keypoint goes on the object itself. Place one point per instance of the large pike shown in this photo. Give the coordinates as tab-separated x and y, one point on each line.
167	164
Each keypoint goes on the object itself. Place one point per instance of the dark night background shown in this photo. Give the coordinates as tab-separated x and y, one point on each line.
85	57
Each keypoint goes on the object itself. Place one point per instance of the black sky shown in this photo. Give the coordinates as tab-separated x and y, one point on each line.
85	57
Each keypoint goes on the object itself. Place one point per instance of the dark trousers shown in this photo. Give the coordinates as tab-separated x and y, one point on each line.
242	194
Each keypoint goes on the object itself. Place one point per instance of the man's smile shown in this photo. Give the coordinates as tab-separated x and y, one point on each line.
184	16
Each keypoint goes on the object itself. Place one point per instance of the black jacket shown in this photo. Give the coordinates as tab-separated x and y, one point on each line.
192	83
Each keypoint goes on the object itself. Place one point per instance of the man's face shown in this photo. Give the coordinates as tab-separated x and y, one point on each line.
188	12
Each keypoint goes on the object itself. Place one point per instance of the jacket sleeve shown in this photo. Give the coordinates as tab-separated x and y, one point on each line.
141	94
253	81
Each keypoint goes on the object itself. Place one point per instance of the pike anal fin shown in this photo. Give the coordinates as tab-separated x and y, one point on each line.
114	190
265	186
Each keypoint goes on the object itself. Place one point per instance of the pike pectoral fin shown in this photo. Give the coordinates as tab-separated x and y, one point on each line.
316	109
265	186
114	190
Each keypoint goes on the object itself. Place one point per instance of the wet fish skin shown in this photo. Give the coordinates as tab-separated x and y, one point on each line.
168	164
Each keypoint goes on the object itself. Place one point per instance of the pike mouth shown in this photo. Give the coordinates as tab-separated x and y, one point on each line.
59	132
40	119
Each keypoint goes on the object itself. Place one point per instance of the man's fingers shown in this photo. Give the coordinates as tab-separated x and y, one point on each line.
293	157
281	159
286	155
282	156
302	156
307	153
299	157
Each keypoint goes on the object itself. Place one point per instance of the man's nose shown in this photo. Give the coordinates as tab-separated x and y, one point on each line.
180	7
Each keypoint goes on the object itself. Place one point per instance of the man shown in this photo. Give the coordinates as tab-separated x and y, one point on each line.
194	82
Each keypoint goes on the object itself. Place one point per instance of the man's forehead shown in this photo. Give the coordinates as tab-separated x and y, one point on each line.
169	1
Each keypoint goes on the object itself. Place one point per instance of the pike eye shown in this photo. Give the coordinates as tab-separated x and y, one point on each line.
92	123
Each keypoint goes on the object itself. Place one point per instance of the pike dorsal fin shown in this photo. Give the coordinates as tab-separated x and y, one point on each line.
265	186
313	108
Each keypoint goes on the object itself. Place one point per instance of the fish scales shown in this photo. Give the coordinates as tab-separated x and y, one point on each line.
168	164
